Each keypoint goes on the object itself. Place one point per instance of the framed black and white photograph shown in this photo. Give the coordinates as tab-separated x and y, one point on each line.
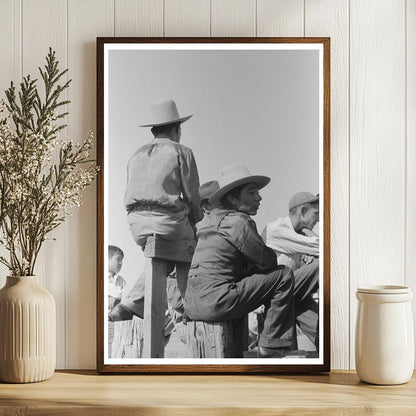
213	248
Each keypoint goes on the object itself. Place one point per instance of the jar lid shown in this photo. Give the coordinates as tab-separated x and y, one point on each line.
384	289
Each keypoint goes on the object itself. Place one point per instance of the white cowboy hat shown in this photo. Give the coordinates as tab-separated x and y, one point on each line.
164	112
233	176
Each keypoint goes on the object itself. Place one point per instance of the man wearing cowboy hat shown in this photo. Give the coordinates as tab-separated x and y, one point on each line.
162	192
297	247
233	272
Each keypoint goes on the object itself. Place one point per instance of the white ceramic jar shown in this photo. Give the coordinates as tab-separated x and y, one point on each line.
384	338
27	331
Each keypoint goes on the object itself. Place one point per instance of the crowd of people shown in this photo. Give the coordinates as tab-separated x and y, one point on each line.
235	270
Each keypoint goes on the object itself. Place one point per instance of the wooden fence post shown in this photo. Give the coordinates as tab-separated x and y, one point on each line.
162	253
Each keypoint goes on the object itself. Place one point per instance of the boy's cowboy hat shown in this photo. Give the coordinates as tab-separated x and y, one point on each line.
233	176
164	112
207	189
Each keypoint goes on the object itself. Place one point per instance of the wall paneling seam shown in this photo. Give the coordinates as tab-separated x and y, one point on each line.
304	18
21	40
67	231
405	145
349	185
210	18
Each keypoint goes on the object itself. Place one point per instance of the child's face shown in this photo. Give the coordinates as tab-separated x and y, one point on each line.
114	263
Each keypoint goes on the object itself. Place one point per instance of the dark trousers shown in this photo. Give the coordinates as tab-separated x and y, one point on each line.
229	301
306	309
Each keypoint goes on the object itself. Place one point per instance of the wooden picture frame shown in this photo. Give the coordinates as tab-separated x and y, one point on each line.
260	102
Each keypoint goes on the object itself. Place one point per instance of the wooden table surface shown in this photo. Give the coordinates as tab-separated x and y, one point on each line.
86	393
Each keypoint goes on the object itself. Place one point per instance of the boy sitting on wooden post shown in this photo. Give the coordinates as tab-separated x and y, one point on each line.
162	195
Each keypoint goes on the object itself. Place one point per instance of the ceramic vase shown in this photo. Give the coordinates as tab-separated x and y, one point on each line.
384	341
27	331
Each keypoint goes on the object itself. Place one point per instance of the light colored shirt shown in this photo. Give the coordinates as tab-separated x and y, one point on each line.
116	284
288	244
163	173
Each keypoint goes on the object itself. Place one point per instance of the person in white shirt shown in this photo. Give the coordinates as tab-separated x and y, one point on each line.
116	283
115	286
297	247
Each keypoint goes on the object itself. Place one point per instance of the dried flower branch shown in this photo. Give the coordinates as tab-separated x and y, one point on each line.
41	176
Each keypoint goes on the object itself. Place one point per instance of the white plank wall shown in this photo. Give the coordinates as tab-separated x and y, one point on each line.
85	20
233	18
410	260
10	43
330	18
138	18
377	146
44	24
373	132
280	18
10	61
187	18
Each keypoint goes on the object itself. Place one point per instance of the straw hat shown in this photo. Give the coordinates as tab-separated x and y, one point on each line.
164	112
233	176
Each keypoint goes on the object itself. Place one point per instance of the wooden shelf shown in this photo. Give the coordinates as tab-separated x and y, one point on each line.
86	393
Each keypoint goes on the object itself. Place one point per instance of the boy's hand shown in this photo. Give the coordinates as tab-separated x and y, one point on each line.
308	232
